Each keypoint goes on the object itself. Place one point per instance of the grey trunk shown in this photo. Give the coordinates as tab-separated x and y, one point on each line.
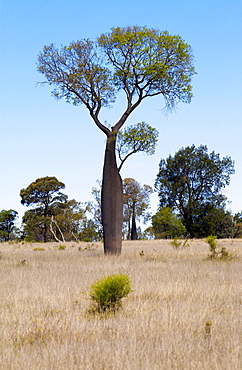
111	201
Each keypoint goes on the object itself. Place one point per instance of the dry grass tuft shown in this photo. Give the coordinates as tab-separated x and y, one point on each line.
184	312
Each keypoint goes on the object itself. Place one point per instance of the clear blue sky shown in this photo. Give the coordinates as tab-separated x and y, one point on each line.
43	137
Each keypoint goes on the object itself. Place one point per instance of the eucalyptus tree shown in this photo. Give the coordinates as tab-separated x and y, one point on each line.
139	61
45	196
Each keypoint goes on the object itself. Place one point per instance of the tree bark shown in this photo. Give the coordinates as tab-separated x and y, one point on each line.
112	200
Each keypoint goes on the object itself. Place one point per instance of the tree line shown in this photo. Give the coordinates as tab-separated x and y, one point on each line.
191	204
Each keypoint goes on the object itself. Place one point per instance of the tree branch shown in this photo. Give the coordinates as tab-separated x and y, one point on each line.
54	234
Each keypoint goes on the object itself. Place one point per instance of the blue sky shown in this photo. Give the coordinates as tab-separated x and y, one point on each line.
43	137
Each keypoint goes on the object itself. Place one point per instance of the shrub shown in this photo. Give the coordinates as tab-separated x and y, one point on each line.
217	253
176	244
212	241
62	247
107	293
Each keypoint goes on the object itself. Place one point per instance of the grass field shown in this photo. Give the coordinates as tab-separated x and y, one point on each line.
185	312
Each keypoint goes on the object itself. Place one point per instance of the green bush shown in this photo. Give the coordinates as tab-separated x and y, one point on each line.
212	241
217	253
176	244
107	293
62	247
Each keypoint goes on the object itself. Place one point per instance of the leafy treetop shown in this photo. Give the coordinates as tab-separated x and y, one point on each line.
142	62
192	180
43	192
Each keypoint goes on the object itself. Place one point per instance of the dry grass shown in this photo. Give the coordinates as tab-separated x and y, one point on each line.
184	312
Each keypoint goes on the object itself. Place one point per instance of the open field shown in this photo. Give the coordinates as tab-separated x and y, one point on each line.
185	312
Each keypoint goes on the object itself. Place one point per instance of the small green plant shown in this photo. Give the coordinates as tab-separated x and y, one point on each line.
62	247
177	244
217	253
106	293
212	241
39	249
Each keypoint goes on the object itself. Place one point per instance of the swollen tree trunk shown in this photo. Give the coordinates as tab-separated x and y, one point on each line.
111	200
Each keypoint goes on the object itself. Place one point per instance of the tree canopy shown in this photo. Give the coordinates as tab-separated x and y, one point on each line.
191	183
7	220
45	195
166	225
53	216
141	62
136	138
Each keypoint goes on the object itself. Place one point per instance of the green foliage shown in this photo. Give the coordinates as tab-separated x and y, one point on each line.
38	249
62	247
53	216
44	194
146	61
212	241
238	218
166	225
179	244
215	252
238	230
237	225
191	183
139	138
107	293
7	220
143	62
94	228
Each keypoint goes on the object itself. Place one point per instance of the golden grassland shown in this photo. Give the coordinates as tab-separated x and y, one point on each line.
185	312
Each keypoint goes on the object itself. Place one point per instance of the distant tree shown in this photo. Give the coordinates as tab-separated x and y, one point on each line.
68	220
238	225
90	231
213	220
7	220
191	182
143	63
166	225
95	209
45	195
33	226
136	203
238	217
238	230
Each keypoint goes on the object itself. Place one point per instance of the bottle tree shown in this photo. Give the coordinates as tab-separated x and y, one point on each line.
136	203
139	61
